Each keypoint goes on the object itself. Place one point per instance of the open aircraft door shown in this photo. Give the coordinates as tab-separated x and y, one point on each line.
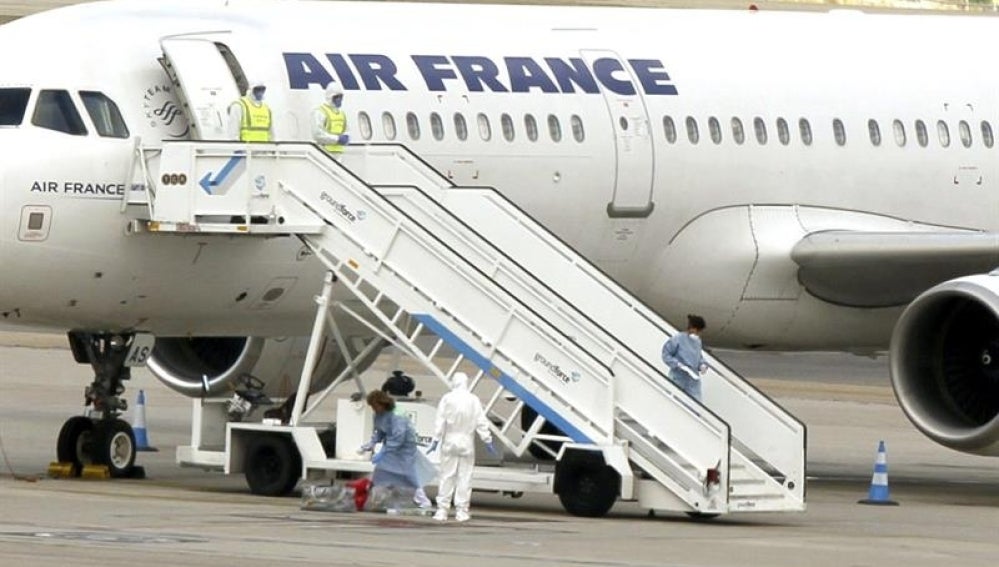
207	78
632	195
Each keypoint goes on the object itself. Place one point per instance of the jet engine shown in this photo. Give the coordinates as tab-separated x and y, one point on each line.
197	366
945	363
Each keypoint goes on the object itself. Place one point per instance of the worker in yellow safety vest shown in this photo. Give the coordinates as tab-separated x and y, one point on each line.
250	118
329	123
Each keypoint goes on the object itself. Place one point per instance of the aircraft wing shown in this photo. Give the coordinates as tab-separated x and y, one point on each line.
882	269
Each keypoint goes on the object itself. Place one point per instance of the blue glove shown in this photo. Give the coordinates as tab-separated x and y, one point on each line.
364	448
433	447
344	139
492	449
377	457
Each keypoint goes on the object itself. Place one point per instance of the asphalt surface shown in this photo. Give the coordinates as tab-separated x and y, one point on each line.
948	501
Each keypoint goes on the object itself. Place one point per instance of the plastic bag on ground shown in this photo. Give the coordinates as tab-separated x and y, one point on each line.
328	498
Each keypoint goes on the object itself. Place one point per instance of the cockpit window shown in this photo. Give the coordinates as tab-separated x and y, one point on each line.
55	111
13	103
105	115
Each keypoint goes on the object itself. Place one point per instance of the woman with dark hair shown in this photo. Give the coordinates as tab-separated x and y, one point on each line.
396	462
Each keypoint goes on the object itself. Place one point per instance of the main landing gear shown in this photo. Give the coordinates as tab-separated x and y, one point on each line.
100	436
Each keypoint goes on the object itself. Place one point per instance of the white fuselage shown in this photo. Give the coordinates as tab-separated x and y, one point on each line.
691	223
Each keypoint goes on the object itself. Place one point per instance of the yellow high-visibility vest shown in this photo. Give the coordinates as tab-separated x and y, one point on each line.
256	123
336	124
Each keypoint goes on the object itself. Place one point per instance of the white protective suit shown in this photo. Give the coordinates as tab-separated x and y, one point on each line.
459	417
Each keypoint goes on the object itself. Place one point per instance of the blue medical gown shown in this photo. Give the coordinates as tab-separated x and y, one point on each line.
402	464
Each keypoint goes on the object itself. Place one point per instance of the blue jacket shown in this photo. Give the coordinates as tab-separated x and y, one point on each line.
399	437
683	348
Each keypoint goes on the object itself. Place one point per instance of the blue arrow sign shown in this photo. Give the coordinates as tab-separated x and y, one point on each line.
214	186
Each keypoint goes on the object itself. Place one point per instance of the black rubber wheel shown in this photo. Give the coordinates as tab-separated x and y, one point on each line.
527	417
114	446
701	516
75	443
589	491
272	466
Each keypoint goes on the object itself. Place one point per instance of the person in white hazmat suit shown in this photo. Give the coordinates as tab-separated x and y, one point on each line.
459	417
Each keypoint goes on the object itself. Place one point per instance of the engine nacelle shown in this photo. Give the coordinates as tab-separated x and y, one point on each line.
945	363
187	364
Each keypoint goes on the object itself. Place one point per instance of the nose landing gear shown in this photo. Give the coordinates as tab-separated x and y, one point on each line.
100	436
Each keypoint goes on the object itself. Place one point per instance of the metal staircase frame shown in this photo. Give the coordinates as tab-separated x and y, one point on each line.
472	282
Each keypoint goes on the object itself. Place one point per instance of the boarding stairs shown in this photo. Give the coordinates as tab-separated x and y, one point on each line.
488	283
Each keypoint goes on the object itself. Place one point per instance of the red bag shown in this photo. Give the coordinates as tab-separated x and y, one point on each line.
361	487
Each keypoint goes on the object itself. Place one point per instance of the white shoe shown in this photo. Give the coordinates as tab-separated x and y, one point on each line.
462	516
440	516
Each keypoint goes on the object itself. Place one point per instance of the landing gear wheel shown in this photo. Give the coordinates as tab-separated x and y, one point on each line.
589	491
272	465
114	446
75	443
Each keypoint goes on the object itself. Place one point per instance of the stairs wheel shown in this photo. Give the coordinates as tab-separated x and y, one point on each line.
587	491
272	465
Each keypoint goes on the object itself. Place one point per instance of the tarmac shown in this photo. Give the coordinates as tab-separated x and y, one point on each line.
948	512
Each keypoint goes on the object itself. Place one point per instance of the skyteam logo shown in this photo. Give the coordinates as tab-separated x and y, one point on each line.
476	73
164	113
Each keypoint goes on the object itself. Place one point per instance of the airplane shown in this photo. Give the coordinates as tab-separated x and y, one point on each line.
803	180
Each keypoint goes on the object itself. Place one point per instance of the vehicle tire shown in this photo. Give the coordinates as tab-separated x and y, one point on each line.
588	491
114	446
272	465
75	442
527	417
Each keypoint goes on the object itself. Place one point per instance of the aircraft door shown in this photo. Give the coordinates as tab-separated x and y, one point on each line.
206	82
635	159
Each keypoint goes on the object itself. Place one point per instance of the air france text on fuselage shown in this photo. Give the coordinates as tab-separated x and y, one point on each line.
375	72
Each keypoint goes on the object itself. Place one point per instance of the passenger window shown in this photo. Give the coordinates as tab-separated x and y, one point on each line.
669	129
922	136
692	132
761	130
55	111
485	129
714	128
554	128
839	132
365	124
805	129
413	126
738	132
531	127
388	124
943	132
436	126
987	137
13	103
506	123
460	126
577	128
965	130
899	130
104	114
875	131
783	132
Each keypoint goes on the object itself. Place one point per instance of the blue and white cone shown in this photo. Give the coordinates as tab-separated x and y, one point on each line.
879	482
139	424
